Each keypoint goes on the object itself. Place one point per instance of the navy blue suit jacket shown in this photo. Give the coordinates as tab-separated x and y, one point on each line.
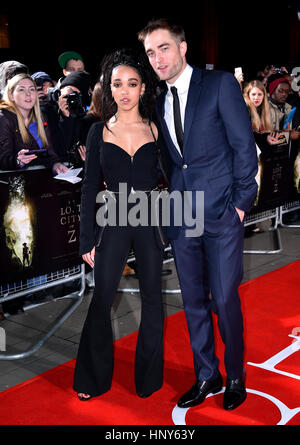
219	153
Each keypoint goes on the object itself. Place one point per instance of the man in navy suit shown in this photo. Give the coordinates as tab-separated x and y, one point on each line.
214	151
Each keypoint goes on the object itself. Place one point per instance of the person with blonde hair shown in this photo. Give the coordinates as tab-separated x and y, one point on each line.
257	102
256	99
24	136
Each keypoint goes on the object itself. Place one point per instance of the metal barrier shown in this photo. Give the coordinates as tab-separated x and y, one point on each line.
68	275
263	216
277	214
286	208
33	286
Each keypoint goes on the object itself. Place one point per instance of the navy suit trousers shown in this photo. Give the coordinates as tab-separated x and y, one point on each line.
210	269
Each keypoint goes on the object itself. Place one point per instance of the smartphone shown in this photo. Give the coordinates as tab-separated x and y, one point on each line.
238	71
37	152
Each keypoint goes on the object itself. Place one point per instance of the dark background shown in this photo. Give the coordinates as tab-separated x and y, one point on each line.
227	34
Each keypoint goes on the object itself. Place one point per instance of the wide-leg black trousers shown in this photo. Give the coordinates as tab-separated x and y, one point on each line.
95	361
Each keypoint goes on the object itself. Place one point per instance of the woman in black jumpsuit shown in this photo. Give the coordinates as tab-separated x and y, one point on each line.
121	150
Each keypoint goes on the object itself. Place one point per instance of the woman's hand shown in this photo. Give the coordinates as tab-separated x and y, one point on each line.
62	100
24	158
89	257
58	167
239	77
82	152
272	138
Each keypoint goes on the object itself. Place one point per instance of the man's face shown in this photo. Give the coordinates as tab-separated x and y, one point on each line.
281	93
73	65
166	55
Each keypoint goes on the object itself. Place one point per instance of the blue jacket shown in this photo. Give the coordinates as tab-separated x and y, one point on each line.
219	152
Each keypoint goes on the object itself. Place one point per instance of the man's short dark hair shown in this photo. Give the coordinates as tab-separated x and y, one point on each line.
175	30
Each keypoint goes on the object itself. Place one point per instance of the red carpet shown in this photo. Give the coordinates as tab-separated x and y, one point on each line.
271	313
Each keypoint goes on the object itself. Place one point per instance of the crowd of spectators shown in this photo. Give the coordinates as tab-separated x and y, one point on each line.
282	107
67	108
273	102
46	121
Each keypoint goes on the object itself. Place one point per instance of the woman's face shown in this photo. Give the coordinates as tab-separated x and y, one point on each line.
126	87
256	96
24	95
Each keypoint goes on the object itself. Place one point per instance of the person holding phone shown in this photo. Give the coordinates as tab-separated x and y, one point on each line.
24	136
239	75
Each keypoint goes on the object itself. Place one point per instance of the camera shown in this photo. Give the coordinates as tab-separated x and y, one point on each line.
278	70
53	95
75	105
73	154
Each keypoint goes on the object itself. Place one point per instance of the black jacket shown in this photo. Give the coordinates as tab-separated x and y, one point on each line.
11	143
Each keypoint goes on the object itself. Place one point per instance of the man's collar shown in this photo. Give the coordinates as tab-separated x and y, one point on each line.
183	81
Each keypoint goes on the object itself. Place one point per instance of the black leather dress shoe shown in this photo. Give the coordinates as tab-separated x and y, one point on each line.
199	391
235	394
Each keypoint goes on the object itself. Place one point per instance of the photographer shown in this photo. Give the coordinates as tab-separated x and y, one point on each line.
73	103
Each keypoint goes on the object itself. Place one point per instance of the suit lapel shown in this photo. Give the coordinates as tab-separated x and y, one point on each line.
160	104
192	100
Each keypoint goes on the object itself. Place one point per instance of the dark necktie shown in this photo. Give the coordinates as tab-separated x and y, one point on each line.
177	118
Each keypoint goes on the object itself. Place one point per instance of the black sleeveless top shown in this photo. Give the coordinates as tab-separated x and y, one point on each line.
139	171
109	163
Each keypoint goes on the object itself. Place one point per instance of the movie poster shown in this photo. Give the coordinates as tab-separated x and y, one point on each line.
40	219
274	176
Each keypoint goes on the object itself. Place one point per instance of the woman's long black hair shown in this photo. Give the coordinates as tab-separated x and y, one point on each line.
139	62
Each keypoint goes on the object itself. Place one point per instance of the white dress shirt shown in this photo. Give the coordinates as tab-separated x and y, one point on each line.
182	84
